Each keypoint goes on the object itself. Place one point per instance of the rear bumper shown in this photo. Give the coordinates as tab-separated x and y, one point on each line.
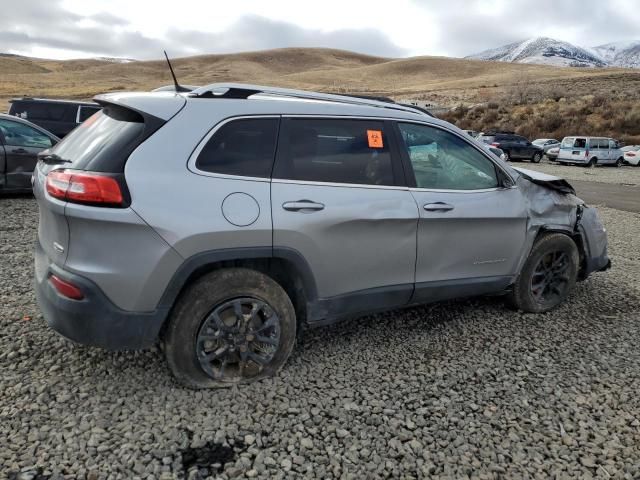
571	160
94	320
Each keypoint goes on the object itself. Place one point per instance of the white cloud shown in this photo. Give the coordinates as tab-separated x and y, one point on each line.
142	28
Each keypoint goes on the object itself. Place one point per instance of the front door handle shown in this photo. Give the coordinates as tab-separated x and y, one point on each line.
438	207
303	206
19	150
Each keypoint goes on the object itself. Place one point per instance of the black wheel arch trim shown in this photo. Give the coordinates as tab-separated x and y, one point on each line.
201	260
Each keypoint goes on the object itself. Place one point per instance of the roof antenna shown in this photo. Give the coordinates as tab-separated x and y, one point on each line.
179	88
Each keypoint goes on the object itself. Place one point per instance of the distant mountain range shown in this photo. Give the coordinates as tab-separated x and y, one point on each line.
548	51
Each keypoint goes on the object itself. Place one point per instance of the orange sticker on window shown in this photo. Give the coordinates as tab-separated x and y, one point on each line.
375	138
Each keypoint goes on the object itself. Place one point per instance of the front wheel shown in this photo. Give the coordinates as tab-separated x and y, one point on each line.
536	158
548	275
230	326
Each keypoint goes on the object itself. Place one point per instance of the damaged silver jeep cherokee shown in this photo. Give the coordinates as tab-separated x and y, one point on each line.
223	220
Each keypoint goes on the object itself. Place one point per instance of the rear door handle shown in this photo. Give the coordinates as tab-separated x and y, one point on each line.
438	207
302	206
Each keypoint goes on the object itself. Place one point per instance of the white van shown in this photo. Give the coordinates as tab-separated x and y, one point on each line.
590	151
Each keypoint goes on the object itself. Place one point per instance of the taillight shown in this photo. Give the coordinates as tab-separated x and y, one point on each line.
84	187
631	154
66	289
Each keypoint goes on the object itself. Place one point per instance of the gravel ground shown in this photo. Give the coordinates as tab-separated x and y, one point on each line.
626	174
453	390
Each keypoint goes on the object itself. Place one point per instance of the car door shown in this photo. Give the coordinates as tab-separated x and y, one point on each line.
338	201
473	218
22	144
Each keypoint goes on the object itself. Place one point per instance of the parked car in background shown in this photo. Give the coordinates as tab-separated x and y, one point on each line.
631	155
56	116
20	143
515	147
250	243
498	153
546	143
590	151
472	133
553	152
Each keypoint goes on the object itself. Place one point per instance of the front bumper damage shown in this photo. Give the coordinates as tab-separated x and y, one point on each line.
553	206
594	242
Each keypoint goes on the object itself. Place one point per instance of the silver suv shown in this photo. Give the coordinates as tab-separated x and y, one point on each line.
224	220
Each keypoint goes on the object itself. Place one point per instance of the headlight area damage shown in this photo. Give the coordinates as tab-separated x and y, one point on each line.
553	206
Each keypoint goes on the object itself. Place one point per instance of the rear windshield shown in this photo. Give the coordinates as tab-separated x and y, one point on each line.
101	137
573	142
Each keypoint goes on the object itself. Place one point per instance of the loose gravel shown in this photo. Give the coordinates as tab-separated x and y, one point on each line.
625	175
455	390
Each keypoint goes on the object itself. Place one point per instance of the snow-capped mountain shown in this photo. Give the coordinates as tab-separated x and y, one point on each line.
620	54
548	51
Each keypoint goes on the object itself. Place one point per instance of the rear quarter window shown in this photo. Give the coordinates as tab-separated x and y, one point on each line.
243	147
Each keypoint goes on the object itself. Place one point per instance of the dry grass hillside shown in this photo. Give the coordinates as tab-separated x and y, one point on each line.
443	81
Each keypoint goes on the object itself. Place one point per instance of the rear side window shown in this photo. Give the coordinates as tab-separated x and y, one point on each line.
334	151
106	138
18	135
86	112
244	147
40	111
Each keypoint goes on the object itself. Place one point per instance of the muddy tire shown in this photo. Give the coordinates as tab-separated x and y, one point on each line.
230	326
548	275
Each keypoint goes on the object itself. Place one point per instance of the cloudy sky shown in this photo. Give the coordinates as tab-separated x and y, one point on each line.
141	29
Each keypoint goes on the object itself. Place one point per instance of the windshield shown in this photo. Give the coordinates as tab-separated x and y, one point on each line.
102	134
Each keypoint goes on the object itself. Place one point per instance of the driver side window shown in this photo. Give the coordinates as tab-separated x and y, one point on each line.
19	135
443	161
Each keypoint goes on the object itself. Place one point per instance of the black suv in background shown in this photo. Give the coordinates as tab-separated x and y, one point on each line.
515	147
57	116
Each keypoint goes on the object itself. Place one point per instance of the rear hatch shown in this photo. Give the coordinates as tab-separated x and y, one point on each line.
100	145
574	148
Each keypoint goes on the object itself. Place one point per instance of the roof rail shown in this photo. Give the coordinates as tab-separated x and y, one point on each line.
240	90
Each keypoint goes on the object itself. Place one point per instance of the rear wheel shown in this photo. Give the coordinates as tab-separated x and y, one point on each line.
619	162
592	163
507	156
548	275
230	326
536	158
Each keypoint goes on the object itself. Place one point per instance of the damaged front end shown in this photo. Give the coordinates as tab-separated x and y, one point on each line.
554	207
